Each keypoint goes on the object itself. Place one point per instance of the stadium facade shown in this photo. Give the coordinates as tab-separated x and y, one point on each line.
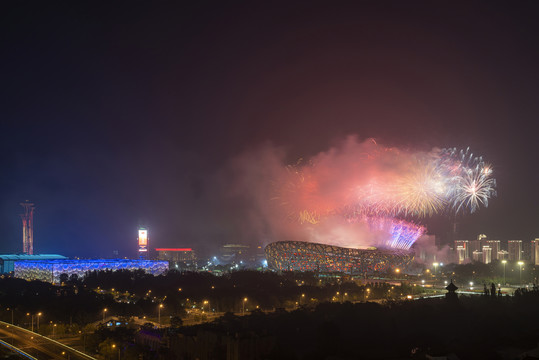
51	270
305	256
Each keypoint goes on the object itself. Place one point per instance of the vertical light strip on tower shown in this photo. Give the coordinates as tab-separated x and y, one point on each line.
28	228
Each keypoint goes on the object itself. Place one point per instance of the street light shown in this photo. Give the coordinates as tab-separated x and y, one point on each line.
435	265
32	317
53	328
204	303
38	315
243	305
11	315
114	346
520	263
504	262
104	311
159	314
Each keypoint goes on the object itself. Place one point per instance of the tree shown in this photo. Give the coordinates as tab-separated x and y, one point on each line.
64	278
176	322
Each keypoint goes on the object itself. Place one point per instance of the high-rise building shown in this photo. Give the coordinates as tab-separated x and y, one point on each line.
535	252
465	247
514	247
503	255
495	246
487	254
461	254
474	245
477	256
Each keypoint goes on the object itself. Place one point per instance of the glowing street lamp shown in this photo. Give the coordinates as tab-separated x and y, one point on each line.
243	305
38	315
104	311
520	263
206	302
114	346
11	315
504	262
435	265
28	314
159	314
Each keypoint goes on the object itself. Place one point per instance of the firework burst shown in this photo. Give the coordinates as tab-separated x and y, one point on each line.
383	187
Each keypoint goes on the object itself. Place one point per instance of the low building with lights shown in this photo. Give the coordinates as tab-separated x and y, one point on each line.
51	270
178	258
7	262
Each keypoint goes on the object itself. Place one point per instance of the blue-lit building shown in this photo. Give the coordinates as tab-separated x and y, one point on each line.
50	270
7	262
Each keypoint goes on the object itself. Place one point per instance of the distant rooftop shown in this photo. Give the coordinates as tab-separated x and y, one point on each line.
16	257
173	249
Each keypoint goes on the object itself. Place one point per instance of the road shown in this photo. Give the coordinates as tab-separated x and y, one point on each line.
38	346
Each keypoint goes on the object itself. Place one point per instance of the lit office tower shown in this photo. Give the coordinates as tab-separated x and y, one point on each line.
474	245
487	254
535	252
495	246
28	228
503	255
461	254
514	247
464	251
477	256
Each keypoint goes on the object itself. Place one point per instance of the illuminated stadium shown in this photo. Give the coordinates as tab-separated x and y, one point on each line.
50	270
305	256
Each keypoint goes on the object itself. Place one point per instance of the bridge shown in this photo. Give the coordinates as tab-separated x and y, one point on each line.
31	345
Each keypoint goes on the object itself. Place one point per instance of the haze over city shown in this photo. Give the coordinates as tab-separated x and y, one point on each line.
115	116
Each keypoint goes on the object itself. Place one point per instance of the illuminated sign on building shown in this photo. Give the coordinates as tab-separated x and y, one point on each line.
143	242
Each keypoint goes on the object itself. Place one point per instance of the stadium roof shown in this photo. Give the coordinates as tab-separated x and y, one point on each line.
16	257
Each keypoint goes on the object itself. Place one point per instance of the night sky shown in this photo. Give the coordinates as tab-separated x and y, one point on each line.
125	114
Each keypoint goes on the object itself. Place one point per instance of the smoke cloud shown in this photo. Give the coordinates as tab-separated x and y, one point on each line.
312	200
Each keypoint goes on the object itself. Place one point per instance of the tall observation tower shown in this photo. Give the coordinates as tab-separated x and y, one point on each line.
28	228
